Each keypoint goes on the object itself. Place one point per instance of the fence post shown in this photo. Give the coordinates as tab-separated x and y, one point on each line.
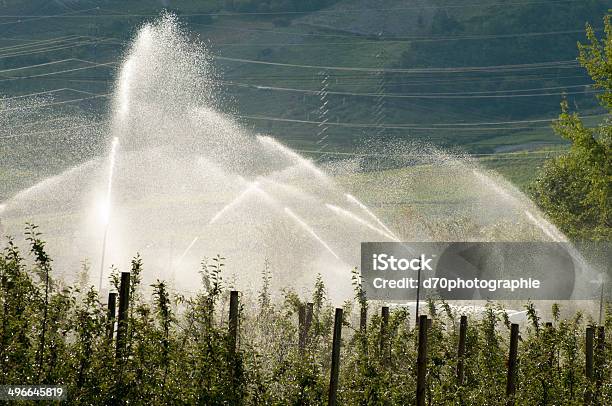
335	361
309	310
112	303
384	333
589	353
422	361
233	322
511	380
588	348
600	360
461	349
308	321
301	327
124	303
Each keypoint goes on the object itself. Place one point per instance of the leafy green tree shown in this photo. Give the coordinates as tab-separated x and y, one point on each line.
575	189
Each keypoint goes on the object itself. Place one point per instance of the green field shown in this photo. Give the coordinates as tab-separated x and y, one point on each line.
431	35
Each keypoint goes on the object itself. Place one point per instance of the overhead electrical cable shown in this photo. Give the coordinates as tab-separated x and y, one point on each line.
42	17
494	68
97	65
401	39
457	95
41	42
37	65
57	48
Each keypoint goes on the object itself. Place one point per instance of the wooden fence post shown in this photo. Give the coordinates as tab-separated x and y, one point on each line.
335	361
512	364
233	322
308	321
301	328
309	311
589	353
461	349
422	362
588	348
600	360
384	334
112	304
124	303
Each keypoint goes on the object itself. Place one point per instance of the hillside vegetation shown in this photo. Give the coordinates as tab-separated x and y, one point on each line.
484	110
172	348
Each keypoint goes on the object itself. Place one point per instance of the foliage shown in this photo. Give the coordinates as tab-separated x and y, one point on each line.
575	189
177	352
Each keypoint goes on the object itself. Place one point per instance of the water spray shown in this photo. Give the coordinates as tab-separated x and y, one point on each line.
359	220
252	187
189	247
309	229
293	155
365	208
106	209
493	185
544	227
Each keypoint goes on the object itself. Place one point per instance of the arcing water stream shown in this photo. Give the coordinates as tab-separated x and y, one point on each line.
185	169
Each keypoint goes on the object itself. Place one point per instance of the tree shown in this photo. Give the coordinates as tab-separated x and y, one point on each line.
575	189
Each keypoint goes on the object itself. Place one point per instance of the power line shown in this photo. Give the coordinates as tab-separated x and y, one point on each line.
37	65
57	48
42	42
342	11
42	17
459	95
34	94
391	39
391	126
95	65
357	125
35	48
496	68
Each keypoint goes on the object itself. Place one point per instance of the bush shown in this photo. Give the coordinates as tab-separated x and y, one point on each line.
177	350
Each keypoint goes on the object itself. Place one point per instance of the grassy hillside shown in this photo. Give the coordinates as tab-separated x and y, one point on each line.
482	110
